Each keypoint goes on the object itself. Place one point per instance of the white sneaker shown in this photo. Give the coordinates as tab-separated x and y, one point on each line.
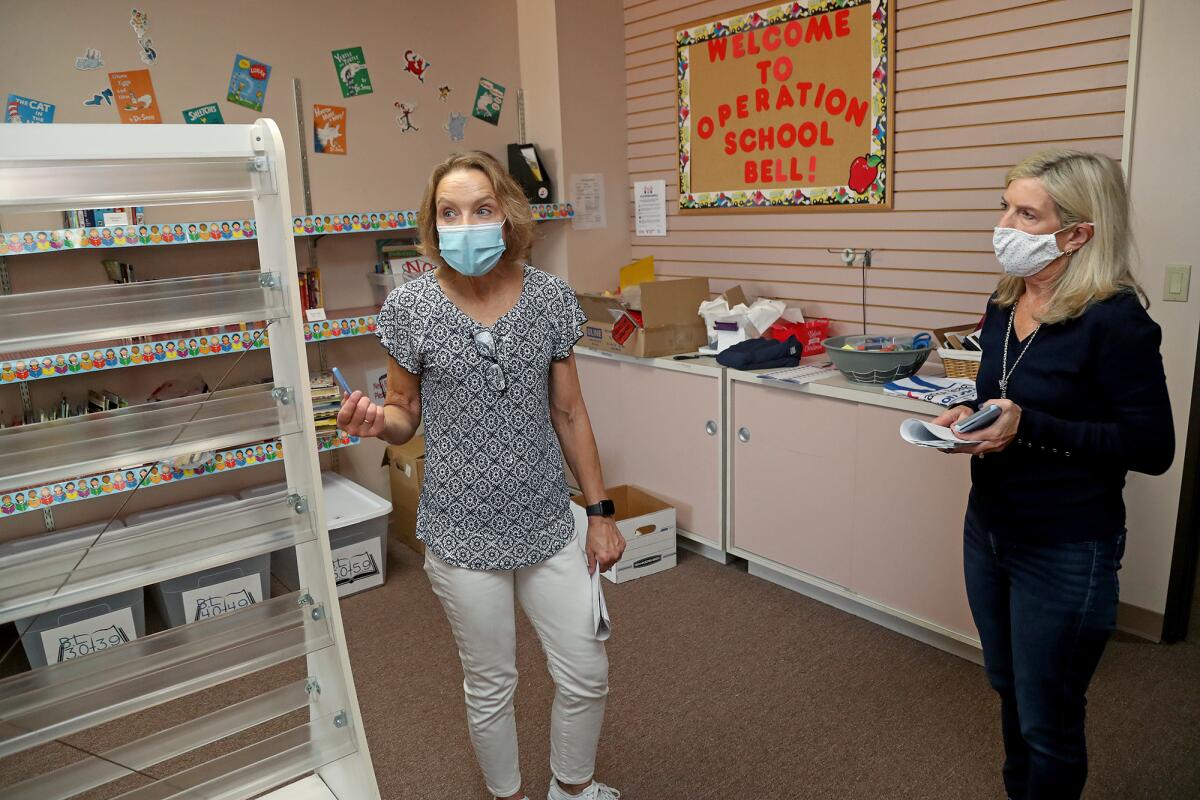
597	791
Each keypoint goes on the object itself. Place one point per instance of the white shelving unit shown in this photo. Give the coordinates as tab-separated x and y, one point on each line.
54	167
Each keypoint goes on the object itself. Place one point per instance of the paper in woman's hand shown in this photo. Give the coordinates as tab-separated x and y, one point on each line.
926	434
599	610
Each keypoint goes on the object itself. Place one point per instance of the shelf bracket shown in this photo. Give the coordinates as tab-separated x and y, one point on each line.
298	502
282	395
5	283
268	280
341	719
312	687
318	610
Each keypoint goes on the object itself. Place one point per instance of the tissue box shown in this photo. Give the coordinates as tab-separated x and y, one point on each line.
730	319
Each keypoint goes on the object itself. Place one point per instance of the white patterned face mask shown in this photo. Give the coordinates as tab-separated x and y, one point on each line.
1024	254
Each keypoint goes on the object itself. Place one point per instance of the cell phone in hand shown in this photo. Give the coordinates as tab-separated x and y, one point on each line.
980	419
337	376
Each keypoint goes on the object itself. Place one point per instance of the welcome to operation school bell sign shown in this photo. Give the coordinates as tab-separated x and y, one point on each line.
786	106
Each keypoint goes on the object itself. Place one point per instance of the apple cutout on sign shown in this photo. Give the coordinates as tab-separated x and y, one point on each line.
863	171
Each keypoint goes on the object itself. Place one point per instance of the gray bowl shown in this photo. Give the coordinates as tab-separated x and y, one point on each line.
874	366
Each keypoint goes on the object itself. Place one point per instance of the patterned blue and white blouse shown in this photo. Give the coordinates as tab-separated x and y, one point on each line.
495	495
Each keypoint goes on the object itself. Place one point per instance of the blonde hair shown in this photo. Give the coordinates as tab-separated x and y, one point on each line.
1085	187
518	216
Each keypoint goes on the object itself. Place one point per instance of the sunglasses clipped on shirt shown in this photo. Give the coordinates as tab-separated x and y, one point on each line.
485	345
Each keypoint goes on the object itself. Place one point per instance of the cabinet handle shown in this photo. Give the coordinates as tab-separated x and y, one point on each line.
710	428
743	435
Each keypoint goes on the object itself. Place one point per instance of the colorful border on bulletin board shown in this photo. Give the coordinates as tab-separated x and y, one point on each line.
548	211
339	328
353	222
146	235
868	183
100	238
157	351
110	357
58	494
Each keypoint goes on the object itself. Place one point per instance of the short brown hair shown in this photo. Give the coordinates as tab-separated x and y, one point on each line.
518	216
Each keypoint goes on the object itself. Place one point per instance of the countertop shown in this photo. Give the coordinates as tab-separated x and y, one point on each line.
837	386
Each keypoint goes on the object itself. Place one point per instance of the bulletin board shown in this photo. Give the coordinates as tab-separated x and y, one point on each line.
787	106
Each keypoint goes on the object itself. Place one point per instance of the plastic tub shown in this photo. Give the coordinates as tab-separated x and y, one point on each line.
210	592
66	633
357	520
876	365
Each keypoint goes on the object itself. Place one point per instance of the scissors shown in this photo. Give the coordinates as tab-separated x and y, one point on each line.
921	341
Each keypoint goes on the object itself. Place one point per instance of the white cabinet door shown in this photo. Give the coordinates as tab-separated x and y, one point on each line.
604	394
672	444
791	461
908	520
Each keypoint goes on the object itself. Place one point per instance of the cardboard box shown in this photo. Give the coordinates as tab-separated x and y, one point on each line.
668	322
648	525
406	471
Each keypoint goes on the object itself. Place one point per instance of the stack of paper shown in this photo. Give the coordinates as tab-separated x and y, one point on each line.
805	373
926	434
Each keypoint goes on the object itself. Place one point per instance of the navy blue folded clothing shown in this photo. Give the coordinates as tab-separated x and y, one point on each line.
762	354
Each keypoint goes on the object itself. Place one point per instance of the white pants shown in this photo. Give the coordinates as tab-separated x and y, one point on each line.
556	596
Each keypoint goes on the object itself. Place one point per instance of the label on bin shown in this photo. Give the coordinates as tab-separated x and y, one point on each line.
221	598
87	636
358	566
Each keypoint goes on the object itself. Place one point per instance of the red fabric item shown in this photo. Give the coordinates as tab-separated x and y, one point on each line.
810	333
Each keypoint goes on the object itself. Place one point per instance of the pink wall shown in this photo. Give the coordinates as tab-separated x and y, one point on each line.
979	85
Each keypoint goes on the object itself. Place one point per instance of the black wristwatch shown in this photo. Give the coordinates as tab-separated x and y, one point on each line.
605	508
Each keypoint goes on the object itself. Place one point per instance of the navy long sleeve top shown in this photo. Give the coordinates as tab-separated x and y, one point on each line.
1094	406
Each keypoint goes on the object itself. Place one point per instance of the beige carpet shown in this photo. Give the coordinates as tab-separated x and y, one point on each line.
723	686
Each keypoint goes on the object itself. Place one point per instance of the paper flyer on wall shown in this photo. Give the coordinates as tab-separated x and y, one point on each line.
133	95
20	109
650	208
587	198
329	130
489	100
248	82
352	73
209	114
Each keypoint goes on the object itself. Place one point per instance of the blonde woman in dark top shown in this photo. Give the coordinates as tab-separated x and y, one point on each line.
1072	359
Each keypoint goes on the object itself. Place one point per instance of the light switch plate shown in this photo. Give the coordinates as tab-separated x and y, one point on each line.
1179	276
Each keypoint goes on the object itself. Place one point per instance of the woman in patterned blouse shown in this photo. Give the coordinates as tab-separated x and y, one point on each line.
481	352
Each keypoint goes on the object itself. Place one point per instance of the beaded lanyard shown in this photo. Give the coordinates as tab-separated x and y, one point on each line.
1005	372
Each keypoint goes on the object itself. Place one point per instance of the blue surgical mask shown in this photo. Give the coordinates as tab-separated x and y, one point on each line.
473	250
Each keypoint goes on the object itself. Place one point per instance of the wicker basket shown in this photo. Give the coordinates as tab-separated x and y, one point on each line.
958	363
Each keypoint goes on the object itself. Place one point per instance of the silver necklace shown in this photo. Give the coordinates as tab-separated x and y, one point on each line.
1005	372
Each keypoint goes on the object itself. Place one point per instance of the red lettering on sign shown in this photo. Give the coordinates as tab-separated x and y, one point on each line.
841	22
762	100
704	127
818	28
716	49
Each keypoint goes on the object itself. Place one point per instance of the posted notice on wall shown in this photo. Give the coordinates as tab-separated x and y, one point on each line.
650	207
587	198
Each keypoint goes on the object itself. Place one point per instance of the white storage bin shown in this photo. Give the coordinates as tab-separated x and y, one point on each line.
66	633
648	525
357	520
210	592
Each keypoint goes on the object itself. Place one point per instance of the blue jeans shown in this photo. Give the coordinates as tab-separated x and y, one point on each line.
1044	614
